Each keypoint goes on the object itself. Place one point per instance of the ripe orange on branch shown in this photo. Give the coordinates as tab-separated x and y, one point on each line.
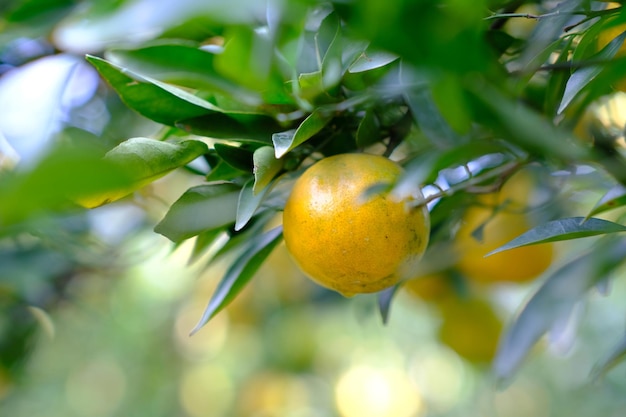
346	240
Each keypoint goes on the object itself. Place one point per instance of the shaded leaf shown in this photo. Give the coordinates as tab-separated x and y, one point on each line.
368	131
242	127
223	171
286	141
554	300
562	229
429	118
266	167
240	273
199	209
236	156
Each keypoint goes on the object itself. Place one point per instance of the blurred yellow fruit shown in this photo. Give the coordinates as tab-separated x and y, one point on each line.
345	240
432	287
471	328
521	27
487	227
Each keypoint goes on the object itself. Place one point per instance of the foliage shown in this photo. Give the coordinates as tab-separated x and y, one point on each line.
441	87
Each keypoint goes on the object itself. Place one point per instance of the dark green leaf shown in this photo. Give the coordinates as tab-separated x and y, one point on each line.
368	131
555	300
240	127
286	141
199	209
240	273
223	171
153	99
429	118
236	156
562	229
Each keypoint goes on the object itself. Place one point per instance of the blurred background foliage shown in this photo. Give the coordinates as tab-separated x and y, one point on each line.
97	308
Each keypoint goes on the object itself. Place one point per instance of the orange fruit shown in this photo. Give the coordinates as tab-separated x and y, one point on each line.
346	240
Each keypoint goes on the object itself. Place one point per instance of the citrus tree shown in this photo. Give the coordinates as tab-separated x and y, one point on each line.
483	124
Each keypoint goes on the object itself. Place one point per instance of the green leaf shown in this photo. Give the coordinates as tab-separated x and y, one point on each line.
368	131
180	63
429	118
240	273
236	156
266	167
562	229
369	61
199	209
614	358
526	128
614	198
203	243
248	204
554	300
583	76
48	187
223	171
385	298
145	160
241	127
153	99
286	141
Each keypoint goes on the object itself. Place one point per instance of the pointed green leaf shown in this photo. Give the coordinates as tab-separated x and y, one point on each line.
181	63
248	204
266	167
240	273
223	171
385	298
286	141
199	209
614	198
554	300
153	99
583	76
562	229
